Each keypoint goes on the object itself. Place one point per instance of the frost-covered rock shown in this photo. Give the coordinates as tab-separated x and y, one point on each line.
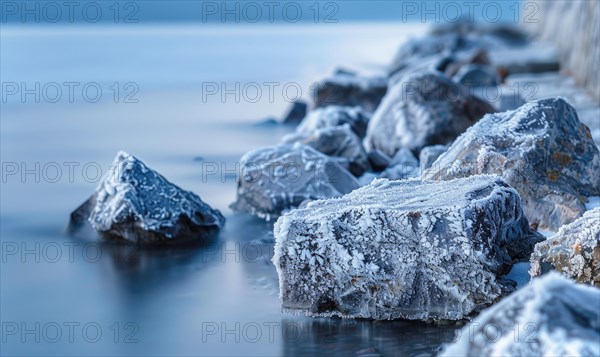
403	165
379	161
574	250
335	115
475	75
540	149
424	109
402	249
429	154
137	204
418	50
296	113
349	89
339	142
280	178
551	316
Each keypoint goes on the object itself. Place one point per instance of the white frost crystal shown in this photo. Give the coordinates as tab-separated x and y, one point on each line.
402	249
574	250
551	316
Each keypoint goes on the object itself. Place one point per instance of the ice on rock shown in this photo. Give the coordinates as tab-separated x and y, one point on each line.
349	89
424	109
279	178
574	250
137	204
540	149
338	142
551	316
402	249
335	115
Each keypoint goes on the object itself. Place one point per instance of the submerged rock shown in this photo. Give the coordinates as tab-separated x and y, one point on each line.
296	113
280	178
540	149
348	89
137	204
402	249
574	250
339	142
403	165
334	115
429	154
551	316
425	109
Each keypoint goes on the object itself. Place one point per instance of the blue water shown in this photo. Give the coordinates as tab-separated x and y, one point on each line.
72	296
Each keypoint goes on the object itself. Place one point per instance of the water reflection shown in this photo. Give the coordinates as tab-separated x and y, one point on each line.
344	337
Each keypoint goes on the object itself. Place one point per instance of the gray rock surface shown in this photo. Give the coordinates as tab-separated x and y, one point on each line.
574	250
349	89
403	165
280	178
296	113
551	316
402	249
475	75
541	149
425	109
136	204
335	115
429	154
339	142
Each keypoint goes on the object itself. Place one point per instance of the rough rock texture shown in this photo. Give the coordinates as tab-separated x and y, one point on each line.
541	149
403	165
349	89
280	178
334	115
296	113
425	109
551	316
135	203
402	249
339	142
429	154
574	250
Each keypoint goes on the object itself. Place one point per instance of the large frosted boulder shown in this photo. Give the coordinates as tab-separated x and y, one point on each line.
402	249
135	203
335	115
551	316
349	89
424	109
540	149
280	178
574	250
339	142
